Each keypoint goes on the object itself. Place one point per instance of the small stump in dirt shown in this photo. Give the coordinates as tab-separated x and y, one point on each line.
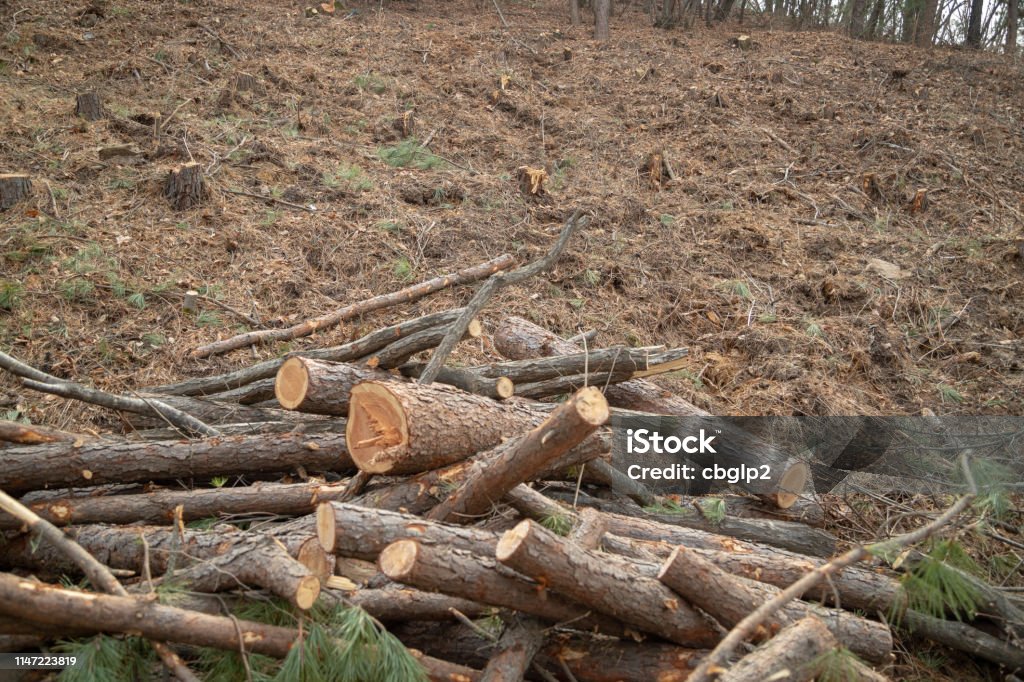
184	187
13	188
89	106
531	180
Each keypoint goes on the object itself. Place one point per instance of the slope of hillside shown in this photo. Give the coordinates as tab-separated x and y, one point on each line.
785	248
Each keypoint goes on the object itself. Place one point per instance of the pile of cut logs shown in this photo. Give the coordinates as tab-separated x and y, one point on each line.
335	474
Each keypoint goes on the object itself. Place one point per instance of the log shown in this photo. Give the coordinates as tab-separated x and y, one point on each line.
791	654
621	361
422	492
33	434
466	379
185	187
585	577
159	507
729	599
361	347
522	639
406	295
463	574
485	485
589	529
587	658
398	353
14	187
400	604
353	531
396	428
72	609
518	339
217	410
89	106
62	465
228	558
250	394
320	387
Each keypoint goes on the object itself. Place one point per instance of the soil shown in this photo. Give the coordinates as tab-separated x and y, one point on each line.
755	205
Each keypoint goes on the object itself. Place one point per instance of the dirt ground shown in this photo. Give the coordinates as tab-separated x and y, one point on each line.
780	241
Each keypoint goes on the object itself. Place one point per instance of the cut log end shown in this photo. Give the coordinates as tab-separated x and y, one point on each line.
475	329
376	422
315	558
398	559
511	540
14	187
791	485
291	383
307	592
592	406
325	528
505	388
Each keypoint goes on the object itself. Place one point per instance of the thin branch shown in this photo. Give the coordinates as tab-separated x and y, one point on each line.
98	574
484	294
746	627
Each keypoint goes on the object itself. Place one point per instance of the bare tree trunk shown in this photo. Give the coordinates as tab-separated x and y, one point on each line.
1012	15
602	9
875	19
974	24
668	10
857	9
925	32
574	12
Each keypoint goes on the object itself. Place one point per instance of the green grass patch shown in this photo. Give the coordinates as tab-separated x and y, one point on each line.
409	153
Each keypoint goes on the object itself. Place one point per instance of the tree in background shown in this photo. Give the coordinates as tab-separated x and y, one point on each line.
602	9
1012	14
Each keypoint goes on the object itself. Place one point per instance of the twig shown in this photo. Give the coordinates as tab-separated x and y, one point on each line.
714	660
98	574
53	200
223	42
484	293
174	113
264	197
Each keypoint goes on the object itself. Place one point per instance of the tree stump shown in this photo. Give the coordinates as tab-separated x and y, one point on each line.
89	106
531	180
184	187
13	188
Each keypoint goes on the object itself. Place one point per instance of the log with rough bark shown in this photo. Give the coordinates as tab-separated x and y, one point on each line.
62	465
791	653
353	531
399	603
85	611
396	428
214	411
520	339
398	353
185	186
466	379
353	350
407	295
627	361
228	558
729	599
488	482
321	387
479	578
589	529
14	187
522	639
33	434
158	507
584	576
587	658
422	492
89	106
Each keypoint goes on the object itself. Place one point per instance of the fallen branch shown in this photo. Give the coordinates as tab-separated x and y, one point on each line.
333	318
484	293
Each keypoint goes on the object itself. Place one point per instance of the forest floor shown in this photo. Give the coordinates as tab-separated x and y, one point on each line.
784	249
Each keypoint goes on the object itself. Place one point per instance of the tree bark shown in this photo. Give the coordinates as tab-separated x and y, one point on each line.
584	576
320	387
588	659
602	10
479	578
729	599
397	603
638	361
399	352
89	106
520	642
159	507
793	650
484	487
974	24
1012	20
857	11
62	465
353	531
574	12
465	379
406	295
397	428
14	187
73	609
185	187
